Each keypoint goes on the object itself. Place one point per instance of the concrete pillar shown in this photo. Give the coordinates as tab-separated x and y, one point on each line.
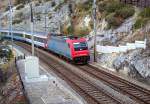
32	67
31	64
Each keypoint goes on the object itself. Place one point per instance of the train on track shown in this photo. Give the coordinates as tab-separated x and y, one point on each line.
69	47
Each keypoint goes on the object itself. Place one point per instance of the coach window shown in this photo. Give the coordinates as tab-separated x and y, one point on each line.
28	36
39	39
19	35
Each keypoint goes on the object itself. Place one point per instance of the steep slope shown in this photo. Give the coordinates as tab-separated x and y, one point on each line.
69	16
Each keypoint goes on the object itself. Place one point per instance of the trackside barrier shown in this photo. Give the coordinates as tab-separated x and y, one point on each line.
23	89
129	46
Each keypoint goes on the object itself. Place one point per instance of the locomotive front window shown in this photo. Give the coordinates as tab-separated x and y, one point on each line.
80	46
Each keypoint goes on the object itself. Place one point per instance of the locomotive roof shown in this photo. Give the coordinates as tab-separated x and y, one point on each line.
64	38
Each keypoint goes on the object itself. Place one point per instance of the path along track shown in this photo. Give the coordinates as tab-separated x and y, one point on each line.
90	92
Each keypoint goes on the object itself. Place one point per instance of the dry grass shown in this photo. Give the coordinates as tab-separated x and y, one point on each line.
7	67
138	35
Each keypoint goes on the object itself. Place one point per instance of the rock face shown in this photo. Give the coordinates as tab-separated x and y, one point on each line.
120	62
137	60
143	67
107	59
54	15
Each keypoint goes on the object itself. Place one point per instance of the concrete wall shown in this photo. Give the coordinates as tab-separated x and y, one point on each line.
128	46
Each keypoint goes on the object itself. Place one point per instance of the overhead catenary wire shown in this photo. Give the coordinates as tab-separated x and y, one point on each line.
32	26
10	22
95	30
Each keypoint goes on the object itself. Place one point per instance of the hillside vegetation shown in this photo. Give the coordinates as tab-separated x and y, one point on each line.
75	16
115	12
143	18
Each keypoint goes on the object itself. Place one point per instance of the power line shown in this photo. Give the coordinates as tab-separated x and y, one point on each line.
10	23
32	26
95	30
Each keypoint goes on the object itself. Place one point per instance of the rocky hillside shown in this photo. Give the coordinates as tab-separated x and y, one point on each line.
73	16
68	16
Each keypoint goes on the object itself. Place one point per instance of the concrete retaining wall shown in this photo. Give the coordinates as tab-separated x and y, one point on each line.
129	46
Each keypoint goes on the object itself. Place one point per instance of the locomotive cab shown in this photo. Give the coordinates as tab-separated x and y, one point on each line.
79	50
70	47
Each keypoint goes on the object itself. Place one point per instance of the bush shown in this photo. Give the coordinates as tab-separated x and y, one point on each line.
102	7
53	4
70	30
115	12
67	29
140	22
10	55
82	32
20	6
7	54
19	15
91	24
125	12
145	13
17	21
3	76
85	7
113	21
143	18
19	2
7	8
113	6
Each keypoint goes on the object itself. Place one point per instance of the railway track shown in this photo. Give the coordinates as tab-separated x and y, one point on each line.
139	94
90	92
